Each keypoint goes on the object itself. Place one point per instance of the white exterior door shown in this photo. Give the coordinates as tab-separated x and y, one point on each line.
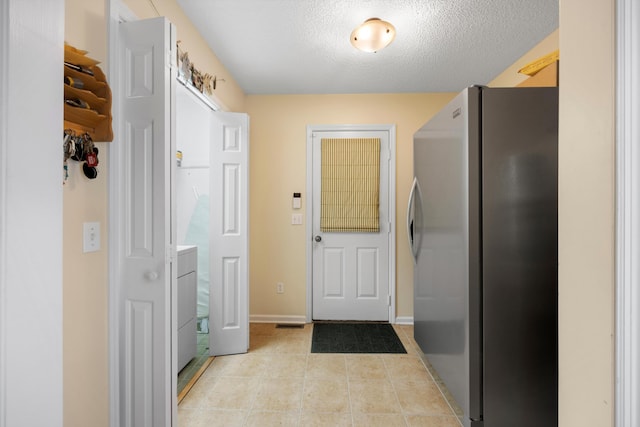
146	229
229	234
351	269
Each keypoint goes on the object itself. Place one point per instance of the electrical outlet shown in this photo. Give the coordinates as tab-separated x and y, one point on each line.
280	288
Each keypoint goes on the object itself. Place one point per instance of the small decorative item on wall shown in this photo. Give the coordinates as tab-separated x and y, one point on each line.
204	82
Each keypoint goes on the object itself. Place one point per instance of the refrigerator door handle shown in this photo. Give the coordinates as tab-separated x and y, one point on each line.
410	219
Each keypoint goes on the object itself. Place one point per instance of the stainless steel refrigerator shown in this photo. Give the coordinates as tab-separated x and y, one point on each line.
483	229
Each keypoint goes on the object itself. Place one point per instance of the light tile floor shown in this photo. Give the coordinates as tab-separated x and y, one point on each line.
280	383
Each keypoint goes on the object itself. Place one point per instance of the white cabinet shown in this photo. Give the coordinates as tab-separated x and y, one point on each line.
187	319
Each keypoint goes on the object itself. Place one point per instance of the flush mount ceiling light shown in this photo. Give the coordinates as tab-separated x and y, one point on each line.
373	35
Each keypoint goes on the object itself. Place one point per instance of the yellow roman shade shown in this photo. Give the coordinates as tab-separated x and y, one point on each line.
350	193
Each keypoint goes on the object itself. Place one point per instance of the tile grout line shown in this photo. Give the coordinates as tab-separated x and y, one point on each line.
346	371
255	397
418	354
395	392
453	412
304	386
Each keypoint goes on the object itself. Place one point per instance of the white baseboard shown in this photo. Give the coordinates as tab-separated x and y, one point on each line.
270	318
404	320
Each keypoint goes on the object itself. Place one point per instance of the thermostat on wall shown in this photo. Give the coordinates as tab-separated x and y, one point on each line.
297	200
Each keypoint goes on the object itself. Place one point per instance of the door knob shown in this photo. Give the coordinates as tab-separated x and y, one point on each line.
318	239
151	275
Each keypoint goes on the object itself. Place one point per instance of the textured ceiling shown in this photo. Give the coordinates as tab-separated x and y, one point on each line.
302	46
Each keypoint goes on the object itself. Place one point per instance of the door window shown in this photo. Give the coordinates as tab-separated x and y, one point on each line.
350	185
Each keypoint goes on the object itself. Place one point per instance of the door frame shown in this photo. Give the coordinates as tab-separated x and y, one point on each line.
31	215
391	129
627	311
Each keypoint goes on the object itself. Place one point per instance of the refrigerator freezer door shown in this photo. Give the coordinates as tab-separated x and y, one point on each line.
519	152
446	321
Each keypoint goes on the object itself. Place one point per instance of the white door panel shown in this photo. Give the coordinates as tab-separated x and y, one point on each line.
351	269
146	236
229	297
367	280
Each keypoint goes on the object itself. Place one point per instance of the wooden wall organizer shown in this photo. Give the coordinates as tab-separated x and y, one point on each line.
95	120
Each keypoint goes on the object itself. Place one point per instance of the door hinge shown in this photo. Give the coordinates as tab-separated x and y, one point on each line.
169	256
172	48
172	60
389	300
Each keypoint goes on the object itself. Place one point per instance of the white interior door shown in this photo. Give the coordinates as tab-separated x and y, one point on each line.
229	234
145	235
351	269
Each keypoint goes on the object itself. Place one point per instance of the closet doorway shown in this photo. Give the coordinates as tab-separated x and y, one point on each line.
211	225
193	175
143	228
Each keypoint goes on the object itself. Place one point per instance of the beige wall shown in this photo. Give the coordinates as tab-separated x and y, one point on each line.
85	286
586	213
278	168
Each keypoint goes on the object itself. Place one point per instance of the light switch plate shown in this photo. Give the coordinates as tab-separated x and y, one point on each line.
91	237
296	219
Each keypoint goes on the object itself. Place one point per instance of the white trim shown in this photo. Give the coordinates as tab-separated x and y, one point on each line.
392	220
627	390
117	12
4	139
31	214
391	128
270	318
404	320
309	223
